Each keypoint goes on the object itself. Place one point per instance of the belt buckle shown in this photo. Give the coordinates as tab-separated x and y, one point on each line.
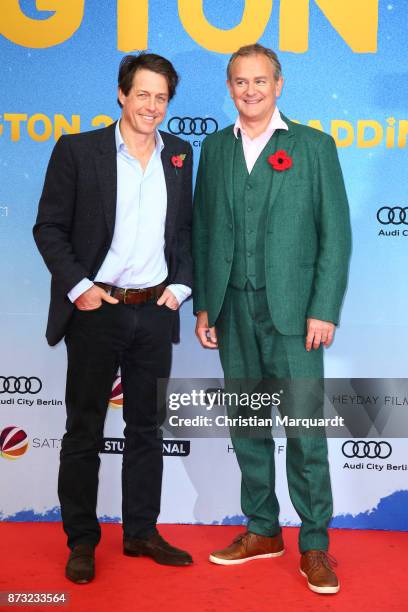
124	295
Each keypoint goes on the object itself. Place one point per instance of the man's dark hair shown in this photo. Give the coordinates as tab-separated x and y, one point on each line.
130	64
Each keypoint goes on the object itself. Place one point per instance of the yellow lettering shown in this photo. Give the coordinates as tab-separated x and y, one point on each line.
254	20
402	133
15	119
62	126
41	33
45	130
390	133
103	120
133	23
341	124
294	25
356	21
371	125
316	124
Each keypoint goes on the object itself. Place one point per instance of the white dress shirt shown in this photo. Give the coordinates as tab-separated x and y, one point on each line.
136	255
253	147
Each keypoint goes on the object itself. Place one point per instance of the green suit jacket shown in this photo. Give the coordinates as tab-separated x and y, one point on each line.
308	238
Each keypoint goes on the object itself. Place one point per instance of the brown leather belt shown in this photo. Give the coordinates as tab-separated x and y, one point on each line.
133	296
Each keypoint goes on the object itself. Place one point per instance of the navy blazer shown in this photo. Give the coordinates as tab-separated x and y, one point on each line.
76	216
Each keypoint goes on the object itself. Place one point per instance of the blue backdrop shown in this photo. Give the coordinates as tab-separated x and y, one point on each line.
358	95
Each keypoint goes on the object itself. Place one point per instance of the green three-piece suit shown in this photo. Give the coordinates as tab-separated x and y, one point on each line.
271	249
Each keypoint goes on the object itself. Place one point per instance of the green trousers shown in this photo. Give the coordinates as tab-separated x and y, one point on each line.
251	348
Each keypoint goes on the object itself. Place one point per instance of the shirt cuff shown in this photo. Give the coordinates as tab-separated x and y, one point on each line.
180	292
79	289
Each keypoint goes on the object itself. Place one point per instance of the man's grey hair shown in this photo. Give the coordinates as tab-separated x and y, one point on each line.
256	49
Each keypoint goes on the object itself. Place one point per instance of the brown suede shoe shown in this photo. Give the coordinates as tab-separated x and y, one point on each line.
248	546
81	564
316	566
158	549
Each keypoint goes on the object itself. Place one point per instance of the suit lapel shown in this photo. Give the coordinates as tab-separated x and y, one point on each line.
285	141
281	139
228	145
172	177
106	168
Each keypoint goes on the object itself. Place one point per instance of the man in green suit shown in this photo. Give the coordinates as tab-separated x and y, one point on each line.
271	240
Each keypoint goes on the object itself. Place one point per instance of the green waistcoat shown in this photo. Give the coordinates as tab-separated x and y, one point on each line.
250	204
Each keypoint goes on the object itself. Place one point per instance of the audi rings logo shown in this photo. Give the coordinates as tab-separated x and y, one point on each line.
192	126
20	384
369	449
397	215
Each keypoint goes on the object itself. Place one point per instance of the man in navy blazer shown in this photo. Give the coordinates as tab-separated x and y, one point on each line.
114	229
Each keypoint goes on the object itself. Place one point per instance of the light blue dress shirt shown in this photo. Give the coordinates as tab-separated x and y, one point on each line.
136	256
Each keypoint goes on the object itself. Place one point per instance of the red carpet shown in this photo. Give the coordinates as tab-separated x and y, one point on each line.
372	572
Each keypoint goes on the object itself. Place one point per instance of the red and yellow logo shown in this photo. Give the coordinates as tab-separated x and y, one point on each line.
116	398
13	442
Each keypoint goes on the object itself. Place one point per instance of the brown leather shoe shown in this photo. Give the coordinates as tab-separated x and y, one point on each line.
317	567
158	549
248	546
81	564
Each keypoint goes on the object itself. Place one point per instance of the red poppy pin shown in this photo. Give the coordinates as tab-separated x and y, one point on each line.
280	161
178	160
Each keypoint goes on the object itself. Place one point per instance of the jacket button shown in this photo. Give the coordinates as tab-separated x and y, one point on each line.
228	259
230	225
249	209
